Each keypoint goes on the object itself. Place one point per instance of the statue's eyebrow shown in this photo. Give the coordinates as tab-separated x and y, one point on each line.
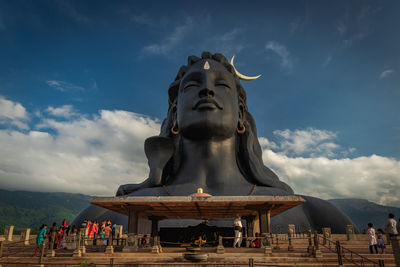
194	75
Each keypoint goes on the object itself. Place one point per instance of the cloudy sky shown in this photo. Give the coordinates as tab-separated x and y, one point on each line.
84	83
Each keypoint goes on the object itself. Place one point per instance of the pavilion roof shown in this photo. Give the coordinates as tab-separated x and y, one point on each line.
198	207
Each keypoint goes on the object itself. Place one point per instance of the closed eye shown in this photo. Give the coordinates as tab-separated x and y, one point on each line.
191	84
222	84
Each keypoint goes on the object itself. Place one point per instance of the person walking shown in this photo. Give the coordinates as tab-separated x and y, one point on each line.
372	238
237	227
52	241
40	237
398	227
107	233
391	228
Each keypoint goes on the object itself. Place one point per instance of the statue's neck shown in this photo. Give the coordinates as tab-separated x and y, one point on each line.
209	164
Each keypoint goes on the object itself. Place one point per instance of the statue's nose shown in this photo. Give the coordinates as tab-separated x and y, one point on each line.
206	92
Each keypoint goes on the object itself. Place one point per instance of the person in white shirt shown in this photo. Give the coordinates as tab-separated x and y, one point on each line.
372	238
237	226
391	225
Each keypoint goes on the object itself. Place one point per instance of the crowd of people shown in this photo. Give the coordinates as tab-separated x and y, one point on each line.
57	236
62	235
375	238
94	229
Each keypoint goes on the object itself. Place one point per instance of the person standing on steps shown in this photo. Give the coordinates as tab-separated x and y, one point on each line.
237	227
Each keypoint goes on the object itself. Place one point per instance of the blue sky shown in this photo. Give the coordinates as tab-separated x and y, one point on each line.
329	90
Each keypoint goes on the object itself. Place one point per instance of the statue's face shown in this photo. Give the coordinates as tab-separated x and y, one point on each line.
207	105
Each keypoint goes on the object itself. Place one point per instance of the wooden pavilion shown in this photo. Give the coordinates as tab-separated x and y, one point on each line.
199	206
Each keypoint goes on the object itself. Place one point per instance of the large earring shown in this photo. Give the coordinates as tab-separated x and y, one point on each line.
173	131
241	129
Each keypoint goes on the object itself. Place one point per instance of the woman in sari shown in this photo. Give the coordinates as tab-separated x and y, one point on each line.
40	237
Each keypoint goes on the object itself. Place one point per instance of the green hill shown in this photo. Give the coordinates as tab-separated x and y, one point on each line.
362	211
31	209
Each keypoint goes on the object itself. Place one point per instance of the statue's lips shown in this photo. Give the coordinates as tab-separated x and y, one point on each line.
207	103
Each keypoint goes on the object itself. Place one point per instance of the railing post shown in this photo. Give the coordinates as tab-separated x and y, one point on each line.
8	232
310	246
326	231
267	244
350	232
317	252
251	262
277	247
290	246
339	253
395	240
381	263
112	262
83	234
1	247
109	248
25	233
77	252
291	229
51	252
220	247
44	244
155	248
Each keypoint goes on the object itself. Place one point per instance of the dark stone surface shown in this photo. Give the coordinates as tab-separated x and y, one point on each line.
199	146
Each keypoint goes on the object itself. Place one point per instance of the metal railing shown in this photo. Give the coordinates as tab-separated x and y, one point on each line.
348	255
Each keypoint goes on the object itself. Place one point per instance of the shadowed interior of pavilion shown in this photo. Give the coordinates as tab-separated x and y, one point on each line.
149	210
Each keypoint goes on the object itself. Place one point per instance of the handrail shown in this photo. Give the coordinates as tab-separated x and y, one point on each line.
340	249
9	244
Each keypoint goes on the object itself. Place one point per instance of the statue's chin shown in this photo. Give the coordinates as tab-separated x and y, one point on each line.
208	131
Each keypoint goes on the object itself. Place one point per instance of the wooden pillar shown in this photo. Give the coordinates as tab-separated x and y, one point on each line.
263	221
133	221
25	234
249	225
8	232
154	225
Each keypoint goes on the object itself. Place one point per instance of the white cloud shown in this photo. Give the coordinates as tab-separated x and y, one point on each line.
96	154
13	113
282	52
64	86
91	156
386	73
312	142
375	178
65	111
171	41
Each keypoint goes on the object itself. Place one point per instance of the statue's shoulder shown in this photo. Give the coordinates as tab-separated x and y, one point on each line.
269	191
150	191
324	214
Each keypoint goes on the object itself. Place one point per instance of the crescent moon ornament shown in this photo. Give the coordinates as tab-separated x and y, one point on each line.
241	76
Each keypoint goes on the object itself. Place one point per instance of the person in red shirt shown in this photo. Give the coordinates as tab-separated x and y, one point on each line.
107	234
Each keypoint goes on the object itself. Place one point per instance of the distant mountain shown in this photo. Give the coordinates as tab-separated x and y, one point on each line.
31	209
362	211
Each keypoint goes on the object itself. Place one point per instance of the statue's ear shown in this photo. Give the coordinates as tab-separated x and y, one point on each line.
241	112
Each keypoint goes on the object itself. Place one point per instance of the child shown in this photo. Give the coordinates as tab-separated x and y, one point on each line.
381	242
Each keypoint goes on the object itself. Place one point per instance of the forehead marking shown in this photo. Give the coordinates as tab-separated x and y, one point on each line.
206	66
